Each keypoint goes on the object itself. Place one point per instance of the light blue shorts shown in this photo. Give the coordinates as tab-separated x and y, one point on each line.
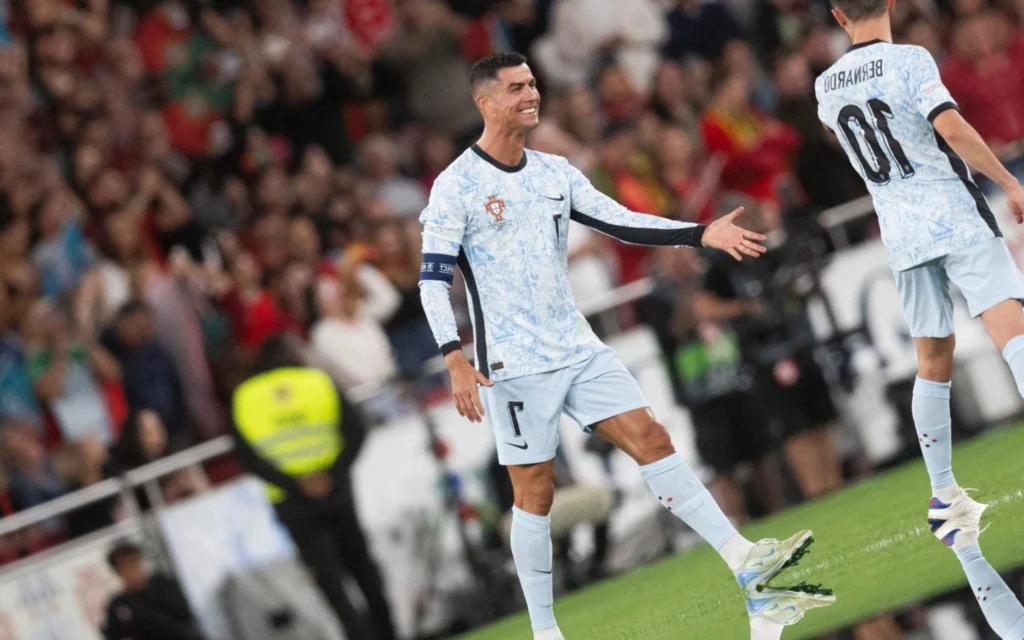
524	412
985	274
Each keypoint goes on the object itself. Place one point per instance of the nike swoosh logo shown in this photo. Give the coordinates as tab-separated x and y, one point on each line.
539	571
769	554
523	446
558	199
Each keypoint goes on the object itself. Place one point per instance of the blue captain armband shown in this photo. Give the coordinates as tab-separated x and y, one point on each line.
437	266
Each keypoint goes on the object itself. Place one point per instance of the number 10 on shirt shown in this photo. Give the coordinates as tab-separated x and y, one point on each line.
882	114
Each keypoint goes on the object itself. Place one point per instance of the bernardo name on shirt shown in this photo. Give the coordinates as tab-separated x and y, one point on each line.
850	77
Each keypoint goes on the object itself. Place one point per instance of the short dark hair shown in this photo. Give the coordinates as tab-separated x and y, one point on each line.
276	352
124	550
487	68
133	307
857	10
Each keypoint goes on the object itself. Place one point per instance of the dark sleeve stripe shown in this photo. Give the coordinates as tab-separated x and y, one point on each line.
437	266
945	106
448	347
690	236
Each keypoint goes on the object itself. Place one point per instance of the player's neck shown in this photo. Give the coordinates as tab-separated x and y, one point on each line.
507	147
871	29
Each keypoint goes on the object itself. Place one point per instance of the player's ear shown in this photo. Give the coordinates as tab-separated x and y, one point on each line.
840	17
481	101
890	6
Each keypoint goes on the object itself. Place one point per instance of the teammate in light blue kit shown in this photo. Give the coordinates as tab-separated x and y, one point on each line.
501	214
903	133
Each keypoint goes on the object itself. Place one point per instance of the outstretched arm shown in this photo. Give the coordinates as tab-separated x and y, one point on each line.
934	102
592	208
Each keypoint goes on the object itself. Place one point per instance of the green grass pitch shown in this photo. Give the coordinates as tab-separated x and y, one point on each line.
872	546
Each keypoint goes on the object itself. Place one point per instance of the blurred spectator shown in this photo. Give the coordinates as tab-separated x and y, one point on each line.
69	373
401	195
699	28
627	175
399	261
348	334
824	172
427	53
144	440
150	377
30	472
150	607
17	400
436	152
584	32
251	309
79	465
677	165
674	94
757	149
980	73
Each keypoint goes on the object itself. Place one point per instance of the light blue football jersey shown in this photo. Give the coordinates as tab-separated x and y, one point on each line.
880	100
506	228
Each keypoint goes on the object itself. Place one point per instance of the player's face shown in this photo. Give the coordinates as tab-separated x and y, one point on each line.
516	101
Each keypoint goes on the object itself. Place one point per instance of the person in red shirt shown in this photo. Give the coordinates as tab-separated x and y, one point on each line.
758	150
251	309
982	72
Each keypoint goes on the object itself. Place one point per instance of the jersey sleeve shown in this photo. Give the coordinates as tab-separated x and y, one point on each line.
930	95
594	209
444	225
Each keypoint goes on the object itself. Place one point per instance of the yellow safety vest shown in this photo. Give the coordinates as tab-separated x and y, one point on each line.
291	418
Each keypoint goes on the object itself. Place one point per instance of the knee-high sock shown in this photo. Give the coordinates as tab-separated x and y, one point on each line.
932	421
531	550
680	491
1002	610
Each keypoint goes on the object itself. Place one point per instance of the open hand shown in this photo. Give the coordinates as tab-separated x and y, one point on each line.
1015	200
465	379
736	241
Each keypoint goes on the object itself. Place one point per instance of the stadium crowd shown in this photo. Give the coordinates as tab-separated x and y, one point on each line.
182	179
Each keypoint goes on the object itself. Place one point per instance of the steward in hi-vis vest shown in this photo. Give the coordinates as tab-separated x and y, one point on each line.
295	431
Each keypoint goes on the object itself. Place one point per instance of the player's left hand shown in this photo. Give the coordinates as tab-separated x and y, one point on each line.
722	234
1014	200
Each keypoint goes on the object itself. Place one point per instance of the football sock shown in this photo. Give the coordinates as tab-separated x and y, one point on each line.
531	550
680	491
764	629
1002	610
553	633
1013	353
932	421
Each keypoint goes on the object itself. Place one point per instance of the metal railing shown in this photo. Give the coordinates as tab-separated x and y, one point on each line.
145	476
834	220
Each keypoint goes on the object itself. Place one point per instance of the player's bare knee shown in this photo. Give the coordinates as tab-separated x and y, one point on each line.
654	444
935	358
533	487
537	498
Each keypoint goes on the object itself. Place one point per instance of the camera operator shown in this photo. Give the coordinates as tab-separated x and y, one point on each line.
777	341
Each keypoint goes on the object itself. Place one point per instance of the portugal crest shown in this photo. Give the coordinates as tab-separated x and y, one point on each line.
496	207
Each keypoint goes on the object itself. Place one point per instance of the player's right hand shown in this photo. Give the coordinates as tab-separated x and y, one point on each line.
465	379
1015	200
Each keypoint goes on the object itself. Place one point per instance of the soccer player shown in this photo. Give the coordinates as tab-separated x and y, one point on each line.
501	214
903	133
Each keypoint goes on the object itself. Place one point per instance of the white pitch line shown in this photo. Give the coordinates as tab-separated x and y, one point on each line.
845	557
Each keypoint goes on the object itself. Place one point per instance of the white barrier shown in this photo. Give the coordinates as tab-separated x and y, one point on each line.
63	594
